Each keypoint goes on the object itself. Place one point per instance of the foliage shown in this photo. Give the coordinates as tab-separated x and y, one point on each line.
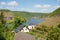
55	12
5	32
7	28
2	18
42	28
46	33
59	25
18	21
4	10
41	33
29	14
53	34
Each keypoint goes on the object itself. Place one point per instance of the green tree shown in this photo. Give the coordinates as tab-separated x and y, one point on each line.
5	32
1	32
53	34
59	25
18	21
2	18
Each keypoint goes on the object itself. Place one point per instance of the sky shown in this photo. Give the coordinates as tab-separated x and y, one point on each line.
30	5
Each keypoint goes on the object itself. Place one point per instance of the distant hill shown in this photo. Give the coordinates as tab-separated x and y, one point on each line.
56	12
29	14
40	15
4	10
54	18
24	14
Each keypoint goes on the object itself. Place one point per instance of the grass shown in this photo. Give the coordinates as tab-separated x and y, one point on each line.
51	33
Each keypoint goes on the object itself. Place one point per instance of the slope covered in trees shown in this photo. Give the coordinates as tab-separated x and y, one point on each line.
29	14
56	12
33	14
6	28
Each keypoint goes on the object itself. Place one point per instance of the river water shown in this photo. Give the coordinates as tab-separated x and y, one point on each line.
34	21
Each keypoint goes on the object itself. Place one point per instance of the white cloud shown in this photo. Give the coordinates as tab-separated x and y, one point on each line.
25	9
31	10
37	6
44	10
46	6
42	6
11	3
58	6
2	3
55	7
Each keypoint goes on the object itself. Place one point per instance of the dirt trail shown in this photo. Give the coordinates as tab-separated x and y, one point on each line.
23	36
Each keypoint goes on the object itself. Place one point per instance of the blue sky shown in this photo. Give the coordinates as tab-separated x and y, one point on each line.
30	5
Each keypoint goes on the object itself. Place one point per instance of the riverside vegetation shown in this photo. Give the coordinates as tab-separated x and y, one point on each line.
6	31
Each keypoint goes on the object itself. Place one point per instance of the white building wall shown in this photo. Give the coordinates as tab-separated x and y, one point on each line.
31	26
25	30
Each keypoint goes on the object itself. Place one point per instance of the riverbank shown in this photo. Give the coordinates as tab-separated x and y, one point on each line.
52	21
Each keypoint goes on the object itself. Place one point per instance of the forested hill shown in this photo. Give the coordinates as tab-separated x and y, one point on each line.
56	12
33	14
5	10
29	14
25	14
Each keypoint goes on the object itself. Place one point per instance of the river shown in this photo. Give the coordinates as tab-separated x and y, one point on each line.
34	21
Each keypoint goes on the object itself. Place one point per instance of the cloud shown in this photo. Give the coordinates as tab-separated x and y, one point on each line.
42	6
46	6
11	3
2	3
25	9
44	10
58	6
55	7
31	10
37	6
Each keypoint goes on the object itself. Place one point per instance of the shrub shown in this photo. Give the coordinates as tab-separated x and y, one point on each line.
59	25
53	34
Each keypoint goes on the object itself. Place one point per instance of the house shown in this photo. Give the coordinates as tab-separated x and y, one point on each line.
31	26
25	29
21	28
23	36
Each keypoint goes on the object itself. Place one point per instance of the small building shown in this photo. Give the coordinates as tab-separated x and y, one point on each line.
31	26
23	28
28	28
